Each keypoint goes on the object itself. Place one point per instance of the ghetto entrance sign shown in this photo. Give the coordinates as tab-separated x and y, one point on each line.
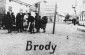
47	9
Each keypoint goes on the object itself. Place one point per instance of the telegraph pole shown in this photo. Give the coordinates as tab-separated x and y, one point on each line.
54	19
74	7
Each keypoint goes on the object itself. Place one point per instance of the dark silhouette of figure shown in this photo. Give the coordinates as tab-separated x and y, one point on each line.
77	20
37	22
74	21
14	23
13	18
31	23
19	21
44	22
9	21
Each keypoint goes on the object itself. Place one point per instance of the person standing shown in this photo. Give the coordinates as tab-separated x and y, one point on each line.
43	23
74	21
37	22
31	23
25	21
9	20
19	21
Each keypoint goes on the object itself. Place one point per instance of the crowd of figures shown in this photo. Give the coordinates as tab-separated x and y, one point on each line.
24	21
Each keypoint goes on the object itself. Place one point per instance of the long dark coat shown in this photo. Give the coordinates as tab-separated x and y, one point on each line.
31	25
31	19
37	22
19	21
44	22
9	20
13	16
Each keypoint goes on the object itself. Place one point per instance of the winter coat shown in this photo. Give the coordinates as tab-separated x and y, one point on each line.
37	22
44	22
19	20
9	20
31	19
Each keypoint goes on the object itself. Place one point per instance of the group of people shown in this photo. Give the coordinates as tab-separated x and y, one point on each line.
24	21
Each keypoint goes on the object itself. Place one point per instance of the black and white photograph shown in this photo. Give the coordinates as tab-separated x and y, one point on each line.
42	27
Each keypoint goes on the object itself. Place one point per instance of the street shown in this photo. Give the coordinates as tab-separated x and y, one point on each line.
70	40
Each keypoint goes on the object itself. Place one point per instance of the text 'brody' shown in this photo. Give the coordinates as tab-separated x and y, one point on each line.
48	46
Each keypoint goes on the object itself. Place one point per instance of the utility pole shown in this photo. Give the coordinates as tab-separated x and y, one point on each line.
54	19
74	7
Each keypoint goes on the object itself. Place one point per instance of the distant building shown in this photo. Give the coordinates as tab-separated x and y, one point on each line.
82	18
60	18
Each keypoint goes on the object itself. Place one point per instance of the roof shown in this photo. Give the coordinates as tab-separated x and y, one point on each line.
61	15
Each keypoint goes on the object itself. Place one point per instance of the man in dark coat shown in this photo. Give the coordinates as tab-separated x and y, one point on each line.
31	23
19	21
74	21
43	23
37	22
9	20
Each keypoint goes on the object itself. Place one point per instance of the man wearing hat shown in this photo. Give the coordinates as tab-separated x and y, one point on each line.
19	21
9	19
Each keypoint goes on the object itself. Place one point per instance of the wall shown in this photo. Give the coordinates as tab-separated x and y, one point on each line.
59	18
2	9
82	19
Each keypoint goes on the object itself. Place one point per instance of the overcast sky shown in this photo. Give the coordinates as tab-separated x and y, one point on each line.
64	6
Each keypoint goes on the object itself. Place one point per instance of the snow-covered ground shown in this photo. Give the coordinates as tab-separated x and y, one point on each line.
68	38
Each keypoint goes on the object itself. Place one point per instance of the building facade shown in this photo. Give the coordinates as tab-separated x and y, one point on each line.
82	18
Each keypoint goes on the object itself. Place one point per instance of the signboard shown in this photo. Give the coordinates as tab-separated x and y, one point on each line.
47	9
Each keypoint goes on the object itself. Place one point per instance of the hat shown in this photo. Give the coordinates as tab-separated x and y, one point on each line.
10	8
